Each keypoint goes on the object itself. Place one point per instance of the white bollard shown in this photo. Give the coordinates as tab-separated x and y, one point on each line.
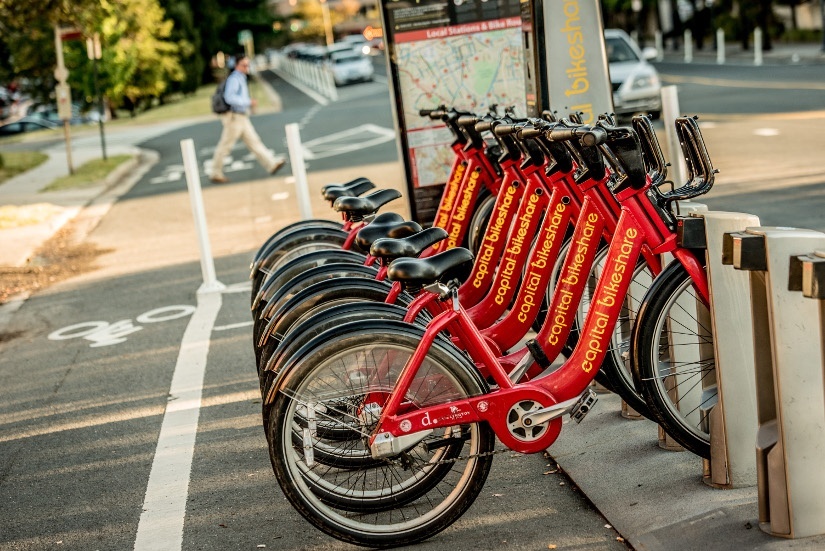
720	47
670	111
299	171
789	381
193	183
757	46
659	43
732	421
808	276
688	46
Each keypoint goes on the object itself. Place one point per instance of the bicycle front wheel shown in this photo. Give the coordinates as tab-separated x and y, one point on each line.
673	358
346	380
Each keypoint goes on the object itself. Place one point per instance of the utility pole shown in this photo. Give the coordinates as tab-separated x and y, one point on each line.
822	12
63	94
94	52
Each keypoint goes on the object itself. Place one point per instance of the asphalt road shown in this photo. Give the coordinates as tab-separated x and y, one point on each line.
86	367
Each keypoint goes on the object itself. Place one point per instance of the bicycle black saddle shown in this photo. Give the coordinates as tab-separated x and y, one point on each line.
353	188
356	208
388	224
388	249
415	273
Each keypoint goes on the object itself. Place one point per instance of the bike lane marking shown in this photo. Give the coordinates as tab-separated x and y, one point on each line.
164	506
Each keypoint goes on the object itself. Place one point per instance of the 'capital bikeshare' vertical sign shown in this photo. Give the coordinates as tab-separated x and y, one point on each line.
566	41
464	54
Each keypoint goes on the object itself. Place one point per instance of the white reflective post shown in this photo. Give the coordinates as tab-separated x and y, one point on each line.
659	43
720	46
670	111
688	46
757	46
299	172
193	183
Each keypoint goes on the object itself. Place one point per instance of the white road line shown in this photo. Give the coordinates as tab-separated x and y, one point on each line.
233	326
164	506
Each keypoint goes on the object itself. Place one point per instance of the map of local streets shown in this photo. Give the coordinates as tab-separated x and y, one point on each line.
469	67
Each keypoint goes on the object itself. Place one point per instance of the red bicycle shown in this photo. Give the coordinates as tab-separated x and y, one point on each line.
382	433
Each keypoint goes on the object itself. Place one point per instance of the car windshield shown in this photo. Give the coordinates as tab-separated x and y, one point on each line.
618	50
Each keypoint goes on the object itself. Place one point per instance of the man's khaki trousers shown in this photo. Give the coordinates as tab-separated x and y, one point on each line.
238	125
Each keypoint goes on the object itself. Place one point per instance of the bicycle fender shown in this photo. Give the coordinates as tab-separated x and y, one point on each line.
315	222
320	258
339	287
274	250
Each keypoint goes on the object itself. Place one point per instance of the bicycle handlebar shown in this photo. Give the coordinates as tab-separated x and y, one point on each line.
588	135
467	120
437	113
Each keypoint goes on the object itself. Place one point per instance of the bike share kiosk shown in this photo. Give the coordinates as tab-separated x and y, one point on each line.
790	400
464	55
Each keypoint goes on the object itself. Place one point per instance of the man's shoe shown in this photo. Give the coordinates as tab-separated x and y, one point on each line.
219	179
277	167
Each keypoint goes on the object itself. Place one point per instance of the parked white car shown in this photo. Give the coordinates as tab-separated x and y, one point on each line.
636	84
350	67
358	43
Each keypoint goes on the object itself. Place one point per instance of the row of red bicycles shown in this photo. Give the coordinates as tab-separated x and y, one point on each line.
392	358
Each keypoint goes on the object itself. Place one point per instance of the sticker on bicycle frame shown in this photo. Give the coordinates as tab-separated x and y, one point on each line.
483	406
406	425
103	333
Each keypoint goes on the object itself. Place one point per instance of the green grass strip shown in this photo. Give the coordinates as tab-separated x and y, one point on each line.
89	174
13	163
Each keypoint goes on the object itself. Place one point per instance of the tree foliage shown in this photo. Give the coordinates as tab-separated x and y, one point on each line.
151	48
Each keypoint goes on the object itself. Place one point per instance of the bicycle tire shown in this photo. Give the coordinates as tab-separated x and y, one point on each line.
300	224
479	221
668	382
422	508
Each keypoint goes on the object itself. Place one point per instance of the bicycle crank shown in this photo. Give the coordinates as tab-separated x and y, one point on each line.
578	408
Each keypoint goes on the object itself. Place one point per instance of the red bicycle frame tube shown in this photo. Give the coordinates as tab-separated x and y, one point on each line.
523	229
471	170
510	194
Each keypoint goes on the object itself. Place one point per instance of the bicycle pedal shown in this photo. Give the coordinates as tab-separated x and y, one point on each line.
584	405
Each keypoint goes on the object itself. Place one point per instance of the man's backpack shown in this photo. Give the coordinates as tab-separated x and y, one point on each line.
219	104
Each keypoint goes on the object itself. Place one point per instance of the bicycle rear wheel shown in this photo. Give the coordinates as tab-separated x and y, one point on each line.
400	500
673	358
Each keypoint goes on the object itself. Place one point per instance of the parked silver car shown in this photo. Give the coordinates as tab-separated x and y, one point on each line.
636	84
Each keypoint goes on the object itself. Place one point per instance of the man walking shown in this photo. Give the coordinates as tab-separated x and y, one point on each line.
236	124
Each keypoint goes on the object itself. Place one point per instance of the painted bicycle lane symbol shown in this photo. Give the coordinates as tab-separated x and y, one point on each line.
103	333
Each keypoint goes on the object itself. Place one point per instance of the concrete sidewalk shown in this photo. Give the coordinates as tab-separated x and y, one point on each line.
780	54
24	190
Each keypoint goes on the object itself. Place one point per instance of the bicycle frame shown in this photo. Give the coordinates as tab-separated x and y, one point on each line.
641	223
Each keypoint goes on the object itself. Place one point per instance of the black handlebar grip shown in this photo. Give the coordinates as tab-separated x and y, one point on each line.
467	120
594	136
425	112
484	126
530	132
561	134
505	129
